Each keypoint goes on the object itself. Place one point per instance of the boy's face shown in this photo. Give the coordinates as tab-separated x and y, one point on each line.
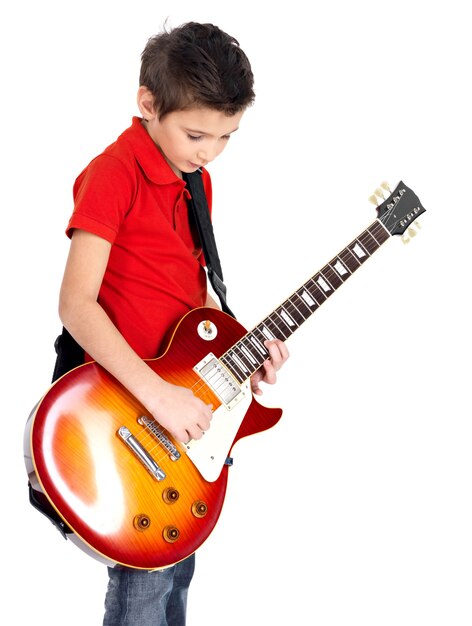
191	138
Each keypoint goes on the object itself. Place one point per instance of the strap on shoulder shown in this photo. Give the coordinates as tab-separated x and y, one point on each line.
199	207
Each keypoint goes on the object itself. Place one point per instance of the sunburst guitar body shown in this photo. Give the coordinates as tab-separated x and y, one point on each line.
131	494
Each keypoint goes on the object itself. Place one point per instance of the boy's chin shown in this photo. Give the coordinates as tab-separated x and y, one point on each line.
191	167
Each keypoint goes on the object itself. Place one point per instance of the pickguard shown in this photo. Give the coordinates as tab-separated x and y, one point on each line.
210	452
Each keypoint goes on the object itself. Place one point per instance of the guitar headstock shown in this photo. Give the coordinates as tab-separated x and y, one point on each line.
400	210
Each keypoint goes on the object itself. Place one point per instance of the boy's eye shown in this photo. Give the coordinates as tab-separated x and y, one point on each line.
194	137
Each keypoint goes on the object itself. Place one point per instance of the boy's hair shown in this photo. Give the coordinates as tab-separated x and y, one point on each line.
196	65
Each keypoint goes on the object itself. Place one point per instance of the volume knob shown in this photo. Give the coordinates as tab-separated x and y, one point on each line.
171	534
199	508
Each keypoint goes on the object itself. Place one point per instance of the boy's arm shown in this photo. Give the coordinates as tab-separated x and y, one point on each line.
211	302
174	407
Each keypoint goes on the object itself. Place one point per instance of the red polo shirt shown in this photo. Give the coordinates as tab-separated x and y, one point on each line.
130	196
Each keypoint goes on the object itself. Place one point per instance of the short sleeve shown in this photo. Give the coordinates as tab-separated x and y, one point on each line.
103	194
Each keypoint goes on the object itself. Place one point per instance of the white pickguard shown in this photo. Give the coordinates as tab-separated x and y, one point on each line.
210	452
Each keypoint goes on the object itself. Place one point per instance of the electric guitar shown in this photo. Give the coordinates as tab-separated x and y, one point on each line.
129	493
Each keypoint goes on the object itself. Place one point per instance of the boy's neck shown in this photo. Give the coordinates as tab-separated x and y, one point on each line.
176	171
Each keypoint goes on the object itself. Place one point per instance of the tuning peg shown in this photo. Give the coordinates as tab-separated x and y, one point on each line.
386	186
417	224
410	233
373	199
379	193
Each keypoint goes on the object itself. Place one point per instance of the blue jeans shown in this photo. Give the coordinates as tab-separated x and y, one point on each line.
137	597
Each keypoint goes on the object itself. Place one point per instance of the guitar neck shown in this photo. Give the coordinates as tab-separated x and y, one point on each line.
249	353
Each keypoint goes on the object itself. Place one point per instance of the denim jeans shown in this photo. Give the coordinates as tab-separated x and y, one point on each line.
137	597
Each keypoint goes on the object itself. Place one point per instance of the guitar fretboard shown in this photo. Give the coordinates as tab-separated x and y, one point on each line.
249	353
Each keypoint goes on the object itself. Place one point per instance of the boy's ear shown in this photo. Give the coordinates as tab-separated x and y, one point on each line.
146	103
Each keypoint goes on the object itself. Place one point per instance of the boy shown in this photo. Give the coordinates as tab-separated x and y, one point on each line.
135	262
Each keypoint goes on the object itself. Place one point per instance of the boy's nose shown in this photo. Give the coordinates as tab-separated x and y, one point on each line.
202	156
207	154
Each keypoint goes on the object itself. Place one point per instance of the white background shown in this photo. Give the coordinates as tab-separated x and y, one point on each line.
356	507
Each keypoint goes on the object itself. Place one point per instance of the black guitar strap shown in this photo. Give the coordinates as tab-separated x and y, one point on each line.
199	207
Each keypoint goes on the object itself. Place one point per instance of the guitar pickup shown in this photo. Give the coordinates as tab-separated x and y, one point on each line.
220	381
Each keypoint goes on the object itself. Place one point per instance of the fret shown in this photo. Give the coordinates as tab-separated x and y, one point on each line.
234	368
259	344
340	269
265	332
332	277
358	250
368	242
380	233
318	294
288	317
235	358
335	278
312	304
349	260
324	284
248	345
373	234
242	357
249	353
298	308
278	326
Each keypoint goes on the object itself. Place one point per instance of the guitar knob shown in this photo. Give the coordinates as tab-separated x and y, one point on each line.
171	534
170	495
199	508
141	522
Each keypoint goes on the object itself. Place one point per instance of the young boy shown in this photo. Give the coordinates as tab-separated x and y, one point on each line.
135	264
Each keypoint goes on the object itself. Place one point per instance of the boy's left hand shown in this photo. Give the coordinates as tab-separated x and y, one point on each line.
267	372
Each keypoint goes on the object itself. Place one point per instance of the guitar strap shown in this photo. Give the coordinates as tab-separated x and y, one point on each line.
199	208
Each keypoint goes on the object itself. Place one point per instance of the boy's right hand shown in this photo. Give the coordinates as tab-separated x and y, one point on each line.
180	412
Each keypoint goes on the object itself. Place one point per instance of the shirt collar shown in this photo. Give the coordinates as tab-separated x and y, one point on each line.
149	156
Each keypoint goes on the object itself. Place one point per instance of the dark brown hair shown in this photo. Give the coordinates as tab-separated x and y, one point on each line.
196	65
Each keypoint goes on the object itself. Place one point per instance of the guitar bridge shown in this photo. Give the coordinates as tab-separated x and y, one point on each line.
220	381
158	433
